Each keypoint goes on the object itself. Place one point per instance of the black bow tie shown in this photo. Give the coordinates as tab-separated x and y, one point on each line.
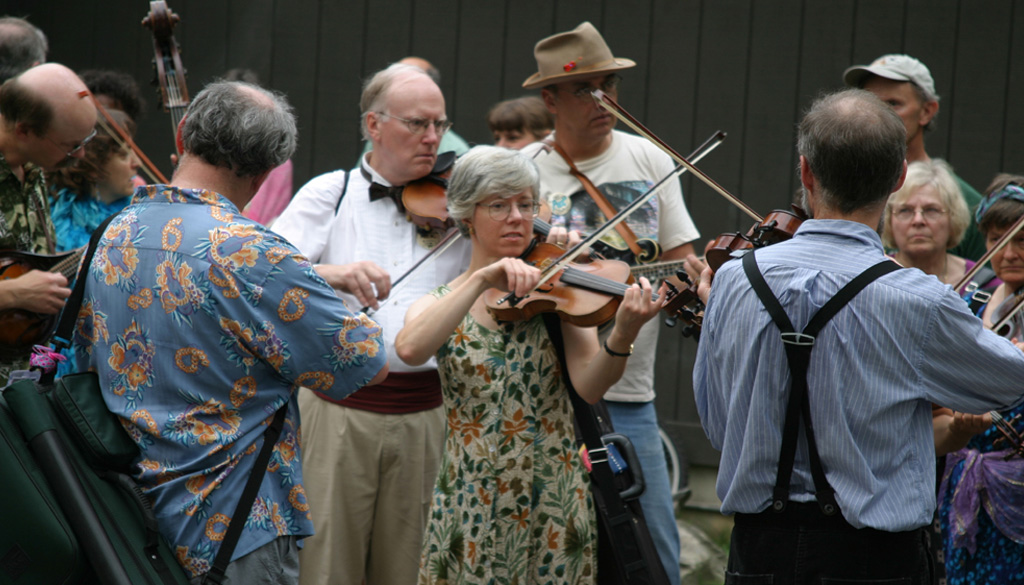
378	191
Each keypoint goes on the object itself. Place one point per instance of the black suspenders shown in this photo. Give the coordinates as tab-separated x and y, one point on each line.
798	353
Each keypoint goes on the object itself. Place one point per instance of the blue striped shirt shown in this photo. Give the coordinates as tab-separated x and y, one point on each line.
905	341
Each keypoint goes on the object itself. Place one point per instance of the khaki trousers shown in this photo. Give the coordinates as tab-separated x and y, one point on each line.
369	478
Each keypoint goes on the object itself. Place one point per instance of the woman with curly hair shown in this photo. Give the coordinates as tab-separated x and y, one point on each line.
88	191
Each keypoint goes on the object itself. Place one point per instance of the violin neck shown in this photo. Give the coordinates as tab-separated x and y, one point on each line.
580	279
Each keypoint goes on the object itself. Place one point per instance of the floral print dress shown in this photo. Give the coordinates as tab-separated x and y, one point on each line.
512	501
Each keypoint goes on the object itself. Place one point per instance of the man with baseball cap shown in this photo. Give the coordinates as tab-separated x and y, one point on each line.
592	172
905	83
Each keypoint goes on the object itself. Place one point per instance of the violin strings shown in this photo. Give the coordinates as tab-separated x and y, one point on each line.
577	277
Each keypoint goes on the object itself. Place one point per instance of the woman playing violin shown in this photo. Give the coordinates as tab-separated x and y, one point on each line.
511	495
986	473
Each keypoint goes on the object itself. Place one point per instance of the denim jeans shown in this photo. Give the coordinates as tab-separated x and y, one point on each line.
803	546
639	422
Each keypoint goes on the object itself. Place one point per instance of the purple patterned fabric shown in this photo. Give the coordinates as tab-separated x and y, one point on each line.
990	480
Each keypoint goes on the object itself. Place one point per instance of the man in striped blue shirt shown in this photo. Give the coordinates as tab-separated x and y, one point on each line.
905	341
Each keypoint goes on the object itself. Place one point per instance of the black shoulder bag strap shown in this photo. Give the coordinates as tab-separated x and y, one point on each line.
69	314
227	546
621	525
798	353
62	339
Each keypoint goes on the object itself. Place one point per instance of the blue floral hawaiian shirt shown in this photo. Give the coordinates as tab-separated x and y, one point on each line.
200	324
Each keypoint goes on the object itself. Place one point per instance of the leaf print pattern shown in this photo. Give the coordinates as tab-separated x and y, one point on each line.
511	503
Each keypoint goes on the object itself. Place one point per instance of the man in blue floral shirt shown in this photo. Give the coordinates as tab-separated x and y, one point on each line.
202	323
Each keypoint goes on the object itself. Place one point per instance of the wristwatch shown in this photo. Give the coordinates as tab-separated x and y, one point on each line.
618	353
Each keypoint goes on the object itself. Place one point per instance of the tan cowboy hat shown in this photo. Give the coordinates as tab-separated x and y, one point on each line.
580	52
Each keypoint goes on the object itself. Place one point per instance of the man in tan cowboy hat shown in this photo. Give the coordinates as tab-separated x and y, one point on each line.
905	83
621	167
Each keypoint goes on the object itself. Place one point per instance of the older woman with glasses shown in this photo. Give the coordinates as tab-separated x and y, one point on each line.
927	217
981	503
511	503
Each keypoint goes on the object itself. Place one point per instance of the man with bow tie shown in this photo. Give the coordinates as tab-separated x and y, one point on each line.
370	460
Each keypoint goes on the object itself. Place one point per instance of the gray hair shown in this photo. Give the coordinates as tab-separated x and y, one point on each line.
22	45
938	174
377	89
855	146
230	127
485	171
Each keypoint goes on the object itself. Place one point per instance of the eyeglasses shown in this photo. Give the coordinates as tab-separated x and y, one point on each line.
500	210
928	213
419	125
78	147
609	85
1010	437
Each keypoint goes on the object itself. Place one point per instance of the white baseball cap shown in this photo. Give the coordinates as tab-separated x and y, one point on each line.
895	67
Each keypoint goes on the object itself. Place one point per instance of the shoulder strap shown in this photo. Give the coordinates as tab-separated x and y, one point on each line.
798	348
68	315
602	202
344	188
620	521
244	507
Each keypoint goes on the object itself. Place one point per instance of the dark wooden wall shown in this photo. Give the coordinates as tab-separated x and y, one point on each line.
743	66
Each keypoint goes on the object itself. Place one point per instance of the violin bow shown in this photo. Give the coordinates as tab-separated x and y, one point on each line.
450	238
111	127
552	269
999	245
619	112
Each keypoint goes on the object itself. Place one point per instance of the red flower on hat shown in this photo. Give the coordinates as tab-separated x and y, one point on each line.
569	66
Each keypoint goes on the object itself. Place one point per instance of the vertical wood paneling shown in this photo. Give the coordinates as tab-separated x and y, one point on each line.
293	69
1012	143
570	13
434	38
981	71
479	62
825	52
251	36
768	177
878	27
333	136
930	32
387	35
526	22
721	85
671	88
628	37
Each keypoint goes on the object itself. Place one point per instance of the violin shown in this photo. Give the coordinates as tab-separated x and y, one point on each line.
586	295
425	199
777	226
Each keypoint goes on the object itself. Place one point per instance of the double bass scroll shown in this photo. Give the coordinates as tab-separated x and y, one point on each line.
170	73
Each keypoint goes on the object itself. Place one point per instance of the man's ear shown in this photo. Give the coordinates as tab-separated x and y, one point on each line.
21	130
373	122
549	100
928	112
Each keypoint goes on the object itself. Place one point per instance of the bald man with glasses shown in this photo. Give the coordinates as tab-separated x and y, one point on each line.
370	460
45	120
